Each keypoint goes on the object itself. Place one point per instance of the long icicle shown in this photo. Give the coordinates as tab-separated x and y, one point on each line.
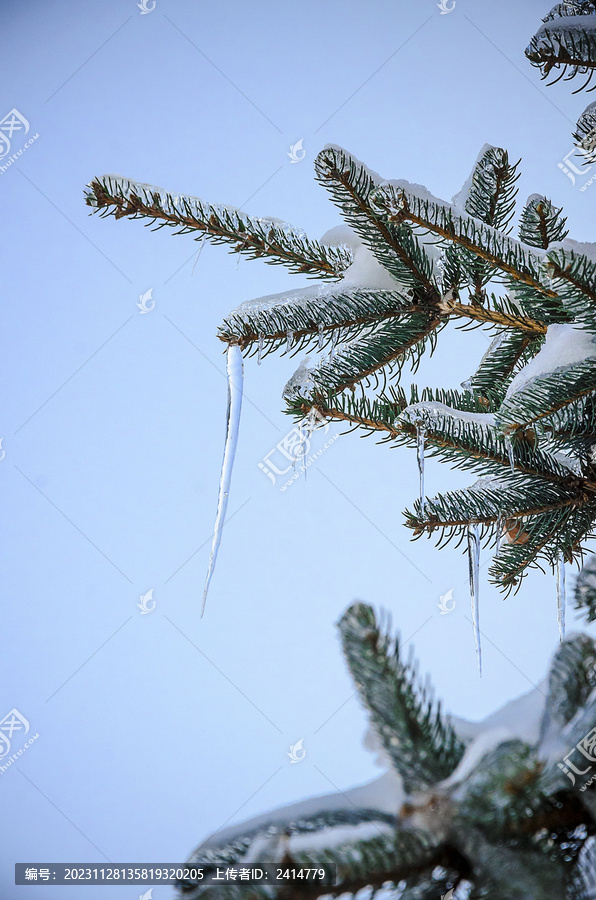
235	387
333	342
499	528
510	453
560	572
321	338
474	564
420	436
307	427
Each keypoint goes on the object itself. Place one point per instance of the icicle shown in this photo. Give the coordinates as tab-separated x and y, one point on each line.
260	344
420	436
560	572
321	337
499	527
239	251
198	256
307	426
474	565
235	388
306	429
289	341
300	452
333	342
510	453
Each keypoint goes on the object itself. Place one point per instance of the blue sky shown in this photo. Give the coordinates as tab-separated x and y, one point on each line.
154	730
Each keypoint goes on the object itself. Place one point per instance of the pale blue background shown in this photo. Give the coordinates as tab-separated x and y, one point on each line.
152	744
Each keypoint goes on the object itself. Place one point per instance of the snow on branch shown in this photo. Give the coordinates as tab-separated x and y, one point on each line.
272	239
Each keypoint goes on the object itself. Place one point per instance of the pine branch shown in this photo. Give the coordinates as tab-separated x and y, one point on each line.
505	499
522	269
371	862
571	680
579	726
576	282
351	184
585	590
526	324
544	395
542	538
396	203
372	416
231	850
373	332
491	199
504	872
386	346
582	880
379	414
473	442
541	223
423	747
313	317
317	317
377	852
276	242
453	275
573	427
527	547
492	193
571	8
508	351
433	887
535	304
585	134
504	795
567	43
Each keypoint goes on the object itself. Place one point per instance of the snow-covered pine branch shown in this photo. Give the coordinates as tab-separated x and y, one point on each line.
406	264
565	44
268	238
464	809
